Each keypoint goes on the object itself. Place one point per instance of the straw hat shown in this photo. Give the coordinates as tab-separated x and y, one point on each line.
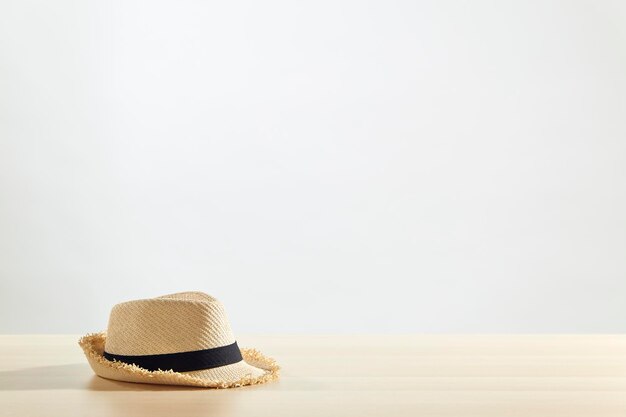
176	339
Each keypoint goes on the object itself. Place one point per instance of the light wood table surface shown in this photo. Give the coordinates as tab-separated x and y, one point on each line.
391	375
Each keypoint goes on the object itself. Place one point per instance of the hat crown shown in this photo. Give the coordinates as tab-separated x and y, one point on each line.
182	322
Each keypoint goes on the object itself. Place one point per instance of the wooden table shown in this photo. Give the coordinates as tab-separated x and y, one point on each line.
394	375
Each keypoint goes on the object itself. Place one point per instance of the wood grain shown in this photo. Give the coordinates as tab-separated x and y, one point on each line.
357	375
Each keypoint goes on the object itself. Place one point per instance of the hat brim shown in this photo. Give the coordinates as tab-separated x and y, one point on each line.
255	368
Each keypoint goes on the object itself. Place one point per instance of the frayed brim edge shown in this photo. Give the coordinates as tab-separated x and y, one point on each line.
91	342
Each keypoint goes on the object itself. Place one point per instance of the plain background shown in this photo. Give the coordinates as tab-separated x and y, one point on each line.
319	166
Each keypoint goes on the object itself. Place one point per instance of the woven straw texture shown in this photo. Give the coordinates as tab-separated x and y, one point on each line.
179	322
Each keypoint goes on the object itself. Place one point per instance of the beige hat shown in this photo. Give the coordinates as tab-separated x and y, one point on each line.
176	339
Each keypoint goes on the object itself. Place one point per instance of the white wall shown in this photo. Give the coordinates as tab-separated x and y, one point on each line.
322	166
